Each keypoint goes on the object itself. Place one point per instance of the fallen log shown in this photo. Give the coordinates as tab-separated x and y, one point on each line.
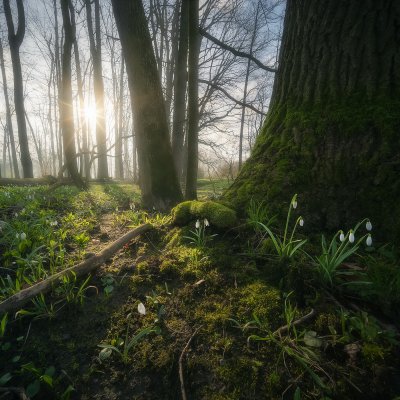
22	297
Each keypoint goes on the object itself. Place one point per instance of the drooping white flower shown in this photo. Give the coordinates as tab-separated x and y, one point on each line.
197	224
294	203
206	223
23	236
369	241
351	237
341	236
368	225
17	236
141	309
301	222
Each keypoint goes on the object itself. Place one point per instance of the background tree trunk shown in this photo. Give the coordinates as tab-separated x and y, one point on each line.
332	132
180	84
95	50
158	180
9	126
193	101
66	104
15	41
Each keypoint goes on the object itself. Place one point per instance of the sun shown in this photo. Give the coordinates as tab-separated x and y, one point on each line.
90	112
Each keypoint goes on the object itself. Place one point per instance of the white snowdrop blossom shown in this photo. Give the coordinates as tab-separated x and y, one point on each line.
368	225
23	236
197	224
294	204
301	222
351	237
369	240
17	236
141	309
206	223
341	236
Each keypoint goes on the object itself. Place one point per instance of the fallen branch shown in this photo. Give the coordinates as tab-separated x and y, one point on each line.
299	321
185	349
19	299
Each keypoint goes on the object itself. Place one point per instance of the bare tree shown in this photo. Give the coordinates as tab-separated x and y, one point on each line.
15	40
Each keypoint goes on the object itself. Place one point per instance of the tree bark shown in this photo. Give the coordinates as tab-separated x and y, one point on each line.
331	134
15	40
66	104
193	101
95	51
180	84
10	131
158	180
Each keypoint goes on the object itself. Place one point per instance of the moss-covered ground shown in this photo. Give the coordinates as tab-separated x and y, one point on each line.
220	286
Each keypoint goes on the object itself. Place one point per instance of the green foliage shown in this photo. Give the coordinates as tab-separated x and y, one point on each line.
198	236
334	255
257	213
285	246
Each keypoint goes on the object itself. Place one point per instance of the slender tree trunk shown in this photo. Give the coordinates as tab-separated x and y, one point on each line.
81	116
66	104
9	126
246	82
119	165
158	180
95	51
332	131
15	40
179	118
193	101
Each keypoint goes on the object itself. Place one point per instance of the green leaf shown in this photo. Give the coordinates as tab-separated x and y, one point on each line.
16	359
33	388
5	378
311	339
50	371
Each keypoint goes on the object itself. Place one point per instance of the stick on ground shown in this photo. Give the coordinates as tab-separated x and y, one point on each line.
17	300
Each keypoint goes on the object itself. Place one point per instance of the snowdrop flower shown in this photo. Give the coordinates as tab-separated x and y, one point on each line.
301	221
17	236
368	225
341	236
16	215
23	236
369	240
206	223
141	309
294	204
197	224
351	237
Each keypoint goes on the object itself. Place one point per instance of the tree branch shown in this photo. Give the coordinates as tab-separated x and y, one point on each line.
237	53
221	89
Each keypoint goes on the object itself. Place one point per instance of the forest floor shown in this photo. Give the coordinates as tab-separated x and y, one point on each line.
184	312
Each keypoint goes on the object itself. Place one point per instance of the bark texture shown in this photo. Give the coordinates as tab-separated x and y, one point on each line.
331	134
157	176
15	40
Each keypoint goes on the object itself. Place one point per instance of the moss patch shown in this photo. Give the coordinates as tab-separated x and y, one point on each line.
217	214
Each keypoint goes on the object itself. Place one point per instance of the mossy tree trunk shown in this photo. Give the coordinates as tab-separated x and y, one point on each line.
332	131
157	176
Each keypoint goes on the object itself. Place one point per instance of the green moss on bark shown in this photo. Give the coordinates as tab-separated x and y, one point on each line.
341	158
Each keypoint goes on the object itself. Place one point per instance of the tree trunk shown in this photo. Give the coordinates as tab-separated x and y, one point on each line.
179	119
10	131
66	104
95	51
331	134
119	131
193	101
158	180
79	79
15	40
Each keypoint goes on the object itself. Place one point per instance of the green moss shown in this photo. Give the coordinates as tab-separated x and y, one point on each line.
217	214
338	156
